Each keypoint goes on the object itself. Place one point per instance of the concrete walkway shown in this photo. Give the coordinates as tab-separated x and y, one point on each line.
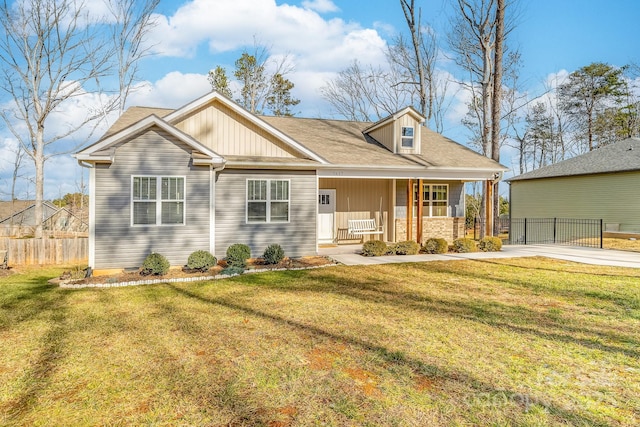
606	257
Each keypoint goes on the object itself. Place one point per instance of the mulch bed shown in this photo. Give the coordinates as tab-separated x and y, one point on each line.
176	275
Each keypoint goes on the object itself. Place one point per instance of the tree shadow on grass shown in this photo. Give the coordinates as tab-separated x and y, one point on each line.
574	267
164	358
51	348
516	318
27	299
394	358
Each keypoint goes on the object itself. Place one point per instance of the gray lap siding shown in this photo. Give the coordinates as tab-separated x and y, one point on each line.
118	244
297	237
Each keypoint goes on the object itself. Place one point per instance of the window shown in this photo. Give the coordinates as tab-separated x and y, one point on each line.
267	200
435	199
407	137
149	209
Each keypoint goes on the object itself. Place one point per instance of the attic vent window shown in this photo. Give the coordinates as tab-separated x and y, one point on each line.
407	137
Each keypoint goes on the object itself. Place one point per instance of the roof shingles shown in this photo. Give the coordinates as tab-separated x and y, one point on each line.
343	143
621	156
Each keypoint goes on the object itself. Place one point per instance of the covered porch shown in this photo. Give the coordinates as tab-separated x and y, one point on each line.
436	211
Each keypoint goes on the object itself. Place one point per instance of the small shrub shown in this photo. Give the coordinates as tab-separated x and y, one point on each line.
490	244
374	248
237	255
230	271
273	254
201	260
436	246
408	247
464	245
155	264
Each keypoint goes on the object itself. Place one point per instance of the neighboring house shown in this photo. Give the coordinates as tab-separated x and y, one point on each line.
601	184
211	174
18	218
9	208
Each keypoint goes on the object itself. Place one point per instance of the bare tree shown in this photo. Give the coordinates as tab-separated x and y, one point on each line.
415	63
477	30
50	55
133	20
366	93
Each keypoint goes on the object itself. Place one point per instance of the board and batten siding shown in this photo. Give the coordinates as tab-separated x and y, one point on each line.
229	134
613	197
297	237
360	199
407	121
118	244
385	136
455	203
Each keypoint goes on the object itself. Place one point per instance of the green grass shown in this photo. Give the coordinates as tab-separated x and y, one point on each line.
525	342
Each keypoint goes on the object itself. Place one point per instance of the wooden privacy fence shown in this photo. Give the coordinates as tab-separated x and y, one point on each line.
54	251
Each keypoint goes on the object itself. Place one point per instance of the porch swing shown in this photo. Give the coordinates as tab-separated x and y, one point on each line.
359	227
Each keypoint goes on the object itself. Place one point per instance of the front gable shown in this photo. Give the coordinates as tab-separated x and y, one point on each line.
228	133
218	122
104	150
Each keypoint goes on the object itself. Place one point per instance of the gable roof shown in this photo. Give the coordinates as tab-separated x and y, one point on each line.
324	143
133	115
48	209
621	156
184	111
392	117
344	143
9	208
100	151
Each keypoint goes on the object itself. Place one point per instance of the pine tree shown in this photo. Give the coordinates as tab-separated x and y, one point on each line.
280	100
251	75
587	93
220	82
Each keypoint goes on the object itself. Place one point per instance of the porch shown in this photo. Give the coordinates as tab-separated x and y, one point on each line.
440	207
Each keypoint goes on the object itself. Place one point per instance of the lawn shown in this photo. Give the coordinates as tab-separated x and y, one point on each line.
494	342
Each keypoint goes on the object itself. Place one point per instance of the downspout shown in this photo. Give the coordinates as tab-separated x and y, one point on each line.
212	206
92	213
510	217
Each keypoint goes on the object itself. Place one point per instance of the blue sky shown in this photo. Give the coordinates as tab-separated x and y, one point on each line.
322	37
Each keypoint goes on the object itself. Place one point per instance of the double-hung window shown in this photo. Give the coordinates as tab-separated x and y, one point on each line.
407	137
268	200
434	199
158	200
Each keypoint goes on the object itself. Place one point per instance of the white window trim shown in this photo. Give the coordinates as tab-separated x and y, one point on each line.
268	201
429	214
159	201
402	138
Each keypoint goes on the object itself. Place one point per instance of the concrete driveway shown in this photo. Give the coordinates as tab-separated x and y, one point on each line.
594	256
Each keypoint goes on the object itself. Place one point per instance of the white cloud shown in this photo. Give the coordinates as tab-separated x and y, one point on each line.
228	25
320	6
171	91
554	80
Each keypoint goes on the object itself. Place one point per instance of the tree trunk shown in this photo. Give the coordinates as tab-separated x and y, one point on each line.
497	97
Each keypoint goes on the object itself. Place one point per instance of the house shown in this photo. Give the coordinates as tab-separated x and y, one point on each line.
17	218
211	174
601	184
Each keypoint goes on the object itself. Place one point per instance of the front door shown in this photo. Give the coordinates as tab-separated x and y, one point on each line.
326	216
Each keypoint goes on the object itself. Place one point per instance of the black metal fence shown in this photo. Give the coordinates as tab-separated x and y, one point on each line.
501	227
555	231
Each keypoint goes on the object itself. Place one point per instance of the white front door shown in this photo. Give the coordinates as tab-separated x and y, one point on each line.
326	216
